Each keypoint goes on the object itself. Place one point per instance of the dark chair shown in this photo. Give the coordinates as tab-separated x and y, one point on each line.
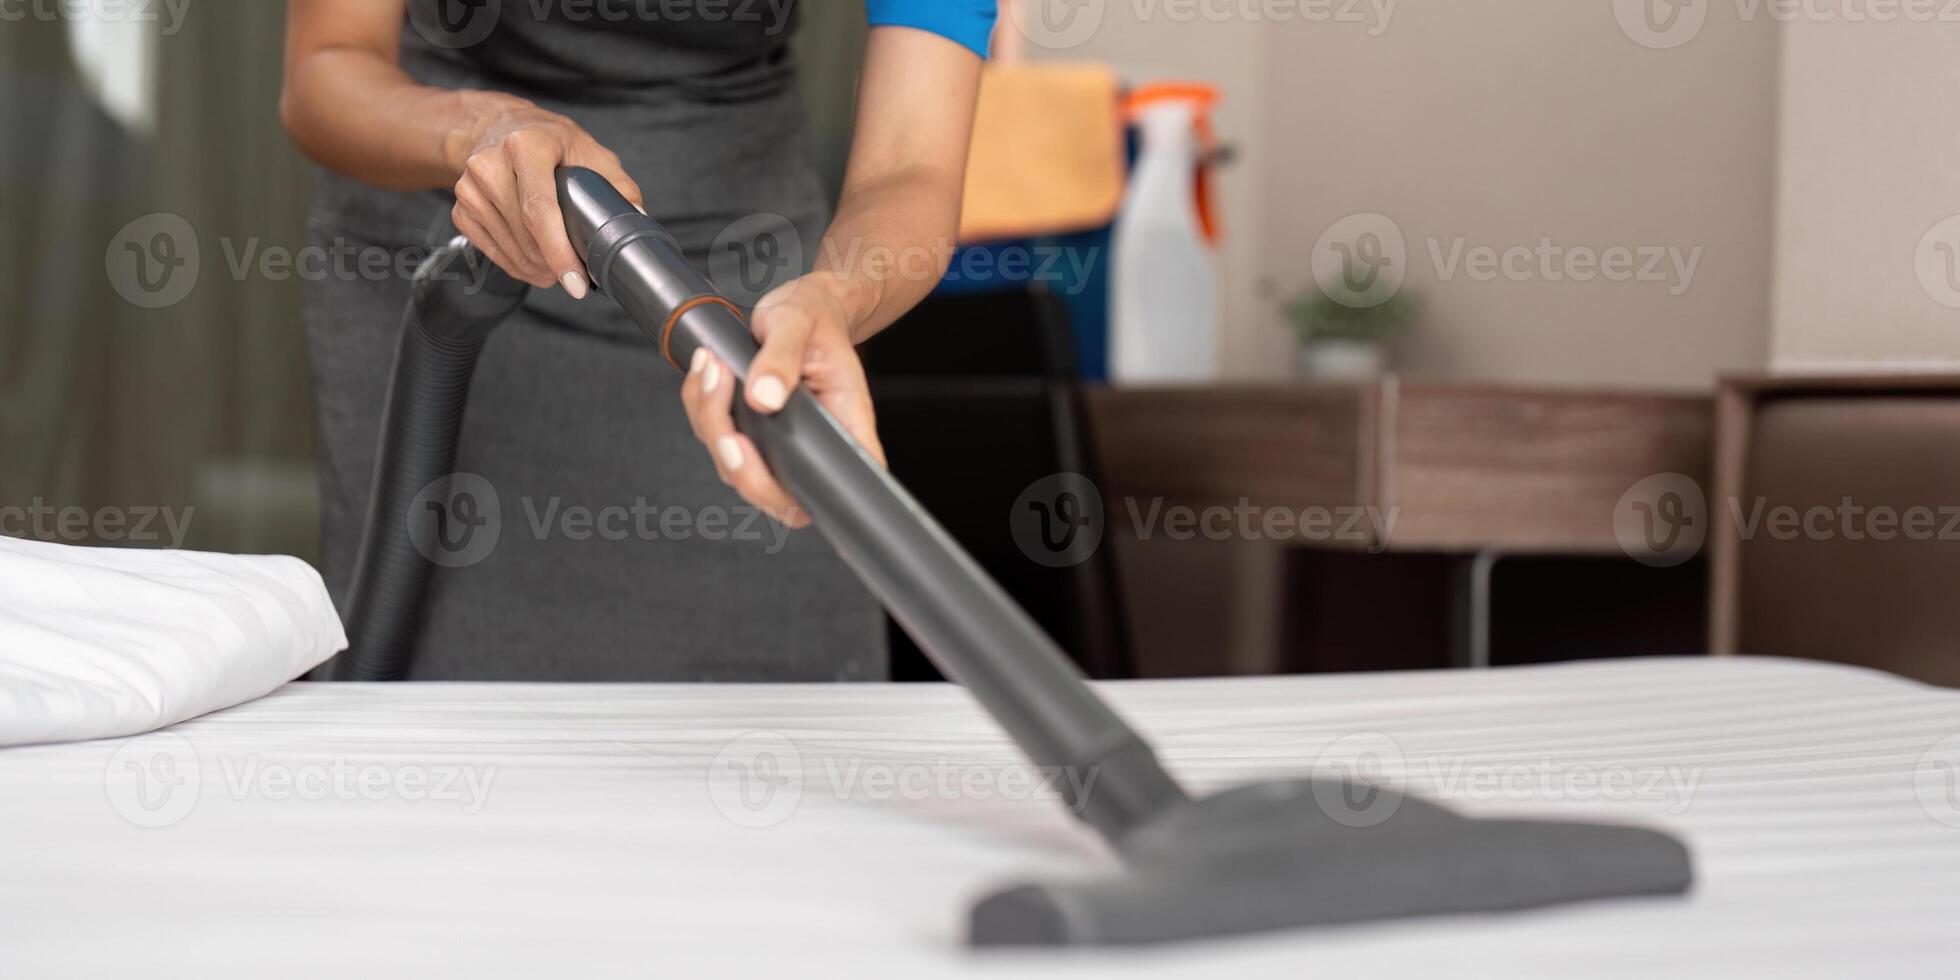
978	399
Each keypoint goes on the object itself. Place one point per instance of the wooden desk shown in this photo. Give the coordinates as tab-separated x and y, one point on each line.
1470	467
1469	470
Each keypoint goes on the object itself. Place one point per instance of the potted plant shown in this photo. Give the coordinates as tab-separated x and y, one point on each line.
1342	336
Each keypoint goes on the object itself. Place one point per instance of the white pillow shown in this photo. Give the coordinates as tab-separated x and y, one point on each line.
105	642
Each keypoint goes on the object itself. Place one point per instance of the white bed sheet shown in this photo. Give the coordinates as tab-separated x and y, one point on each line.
595	842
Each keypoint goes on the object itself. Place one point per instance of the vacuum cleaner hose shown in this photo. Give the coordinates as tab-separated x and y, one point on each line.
459	298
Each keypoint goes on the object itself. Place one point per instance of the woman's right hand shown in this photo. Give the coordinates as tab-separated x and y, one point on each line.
350	106
507	197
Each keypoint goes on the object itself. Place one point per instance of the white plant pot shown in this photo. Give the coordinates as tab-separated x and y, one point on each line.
1342	360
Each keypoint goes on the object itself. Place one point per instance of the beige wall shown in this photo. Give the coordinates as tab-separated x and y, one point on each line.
1502	124
1870	150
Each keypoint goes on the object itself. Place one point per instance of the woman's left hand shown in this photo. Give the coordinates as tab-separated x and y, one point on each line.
901	198
806	339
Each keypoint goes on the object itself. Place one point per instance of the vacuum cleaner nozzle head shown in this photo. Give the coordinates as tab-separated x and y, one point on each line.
1306	853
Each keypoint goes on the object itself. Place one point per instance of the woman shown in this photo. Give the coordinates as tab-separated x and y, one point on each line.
623	548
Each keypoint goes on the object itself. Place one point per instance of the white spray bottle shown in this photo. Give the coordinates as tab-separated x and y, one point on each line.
1163	316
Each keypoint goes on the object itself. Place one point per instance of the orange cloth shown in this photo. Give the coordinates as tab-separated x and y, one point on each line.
1047	152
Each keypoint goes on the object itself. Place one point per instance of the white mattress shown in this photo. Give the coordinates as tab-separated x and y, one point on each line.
1811	795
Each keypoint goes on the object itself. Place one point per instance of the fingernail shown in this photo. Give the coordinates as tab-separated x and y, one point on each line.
731	453
710	375
769	392
574	285
641	208
700	357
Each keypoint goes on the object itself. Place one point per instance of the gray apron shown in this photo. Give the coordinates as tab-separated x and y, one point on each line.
615	554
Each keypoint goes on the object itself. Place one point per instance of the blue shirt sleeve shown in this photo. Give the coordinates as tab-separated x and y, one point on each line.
969	22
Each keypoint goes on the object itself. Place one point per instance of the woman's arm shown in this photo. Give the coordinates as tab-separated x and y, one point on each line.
350	107
899	214
887	248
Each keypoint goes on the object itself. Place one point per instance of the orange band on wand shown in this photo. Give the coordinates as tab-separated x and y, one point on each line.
667	332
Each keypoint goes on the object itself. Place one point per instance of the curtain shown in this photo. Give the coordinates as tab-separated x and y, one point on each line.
66	169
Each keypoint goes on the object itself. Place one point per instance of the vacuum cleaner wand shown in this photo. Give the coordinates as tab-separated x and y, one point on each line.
1281	854
958	615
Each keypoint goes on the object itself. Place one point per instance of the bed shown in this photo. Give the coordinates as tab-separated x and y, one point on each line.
531	830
